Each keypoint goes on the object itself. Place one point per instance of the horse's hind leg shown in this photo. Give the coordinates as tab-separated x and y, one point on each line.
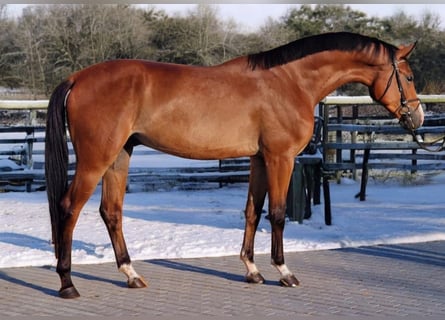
81	188
254	206
113	191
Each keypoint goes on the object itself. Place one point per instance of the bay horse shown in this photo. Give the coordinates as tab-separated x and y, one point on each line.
260	105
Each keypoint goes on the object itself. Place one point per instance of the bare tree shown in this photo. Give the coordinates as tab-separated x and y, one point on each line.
9	50
48	42
57	40
32	39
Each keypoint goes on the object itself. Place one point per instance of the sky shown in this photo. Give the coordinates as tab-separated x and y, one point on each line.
251	16
254	15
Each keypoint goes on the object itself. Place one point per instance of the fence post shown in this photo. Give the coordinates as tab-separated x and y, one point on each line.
328	136
413	161
339	137
362	194
32	117
352	153
29	146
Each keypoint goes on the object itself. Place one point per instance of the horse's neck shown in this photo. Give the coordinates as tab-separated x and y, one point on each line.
321	74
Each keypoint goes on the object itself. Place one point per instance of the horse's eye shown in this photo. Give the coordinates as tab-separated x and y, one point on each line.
410	78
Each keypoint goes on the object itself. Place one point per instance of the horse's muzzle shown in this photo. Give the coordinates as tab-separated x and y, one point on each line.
411	118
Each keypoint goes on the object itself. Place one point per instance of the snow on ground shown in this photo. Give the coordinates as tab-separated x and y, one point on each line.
204	223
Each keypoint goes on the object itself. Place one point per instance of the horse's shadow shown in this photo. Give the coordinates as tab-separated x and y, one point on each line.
47	291
44	245
51	292
23	240
176	265
181	266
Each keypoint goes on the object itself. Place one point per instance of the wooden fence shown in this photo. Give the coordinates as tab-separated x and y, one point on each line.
358	137
348	131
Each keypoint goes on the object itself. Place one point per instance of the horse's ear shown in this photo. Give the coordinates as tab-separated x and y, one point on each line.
404	51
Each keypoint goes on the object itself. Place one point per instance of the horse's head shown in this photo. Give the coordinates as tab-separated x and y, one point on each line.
394	88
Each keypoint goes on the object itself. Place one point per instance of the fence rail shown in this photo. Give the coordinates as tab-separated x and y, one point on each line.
23	104
366	100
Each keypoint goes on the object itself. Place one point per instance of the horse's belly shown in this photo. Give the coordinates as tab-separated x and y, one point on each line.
209	146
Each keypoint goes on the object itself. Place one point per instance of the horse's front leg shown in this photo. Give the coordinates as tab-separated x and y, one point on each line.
113	192
254	206
279	170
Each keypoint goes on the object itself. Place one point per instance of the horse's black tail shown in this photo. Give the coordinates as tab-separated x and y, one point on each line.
56	157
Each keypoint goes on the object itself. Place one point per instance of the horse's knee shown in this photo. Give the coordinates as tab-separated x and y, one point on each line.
277	217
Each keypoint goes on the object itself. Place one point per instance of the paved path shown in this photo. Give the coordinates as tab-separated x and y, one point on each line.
385	280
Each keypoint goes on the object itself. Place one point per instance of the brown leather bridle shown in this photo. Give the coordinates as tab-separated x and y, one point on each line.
405	111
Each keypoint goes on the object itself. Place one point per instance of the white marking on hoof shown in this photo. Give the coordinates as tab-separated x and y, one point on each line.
129	271
283	270
251	267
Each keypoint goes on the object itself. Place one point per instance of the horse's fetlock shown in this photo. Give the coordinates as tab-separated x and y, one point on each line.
246	255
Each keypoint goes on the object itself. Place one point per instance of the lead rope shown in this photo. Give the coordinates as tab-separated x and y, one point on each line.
426	145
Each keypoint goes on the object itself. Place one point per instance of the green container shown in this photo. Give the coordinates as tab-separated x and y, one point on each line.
296	200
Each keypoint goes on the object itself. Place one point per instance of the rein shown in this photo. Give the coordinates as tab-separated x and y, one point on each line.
405	113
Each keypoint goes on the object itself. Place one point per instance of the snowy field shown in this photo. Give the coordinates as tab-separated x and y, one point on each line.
204	223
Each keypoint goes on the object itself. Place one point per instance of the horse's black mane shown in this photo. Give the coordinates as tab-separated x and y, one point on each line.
298	49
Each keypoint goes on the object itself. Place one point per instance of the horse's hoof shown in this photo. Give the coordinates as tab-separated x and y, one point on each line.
255	278
137	283
289	281
69	293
